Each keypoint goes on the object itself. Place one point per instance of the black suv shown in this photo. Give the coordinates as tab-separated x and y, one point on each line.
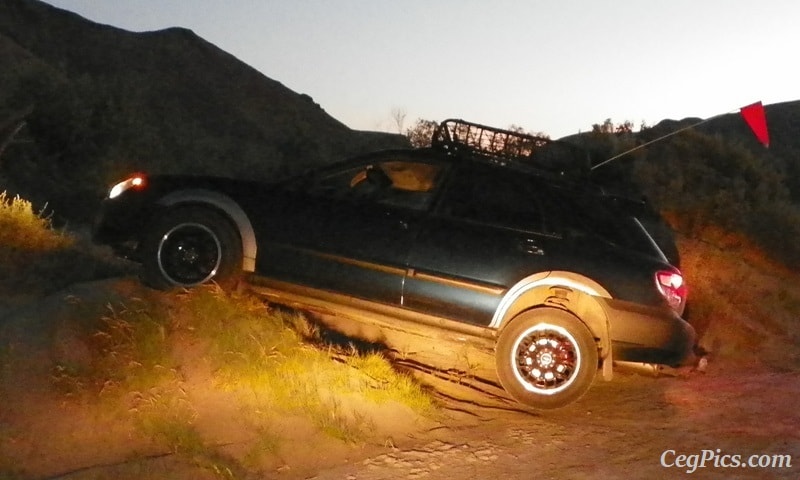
484	235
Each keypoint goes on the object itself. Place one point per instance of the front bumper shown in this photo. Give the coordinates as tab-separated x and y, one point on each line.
648	334
119	225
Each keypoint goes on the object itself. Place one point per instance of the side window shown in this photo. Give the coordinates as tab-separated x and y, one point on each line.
398	183
496	197
335	185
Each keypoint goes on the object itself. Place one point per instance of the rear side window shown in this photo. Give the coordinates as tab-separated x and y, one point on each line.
496	197
579	213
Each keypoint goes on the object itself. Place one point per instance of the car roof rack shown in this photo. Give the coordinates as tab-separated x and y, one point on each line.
505	147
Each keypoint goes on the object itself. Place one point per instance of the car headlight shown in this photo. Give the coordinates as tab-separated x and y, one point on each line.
137	181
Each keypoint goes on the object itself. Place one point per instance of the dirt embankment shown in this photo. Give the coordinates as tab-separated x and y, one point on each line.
742	410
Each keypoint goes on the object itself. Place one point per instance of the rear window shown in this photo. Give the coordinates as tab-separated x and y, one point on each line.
580	213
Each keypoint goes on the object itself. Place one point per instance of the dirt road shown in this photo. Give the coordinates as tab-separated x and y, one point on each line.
622	429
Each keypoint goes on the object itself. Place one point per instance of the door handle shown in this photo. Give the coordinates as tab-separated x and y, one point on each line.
528	245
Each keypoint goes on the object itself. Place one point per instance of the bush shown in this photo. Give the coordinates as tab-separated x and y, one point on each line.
35	258
23	229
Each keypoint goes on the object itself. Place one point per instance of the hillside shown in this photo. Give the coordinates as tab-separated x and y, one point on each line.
783	153
711	178
99	101
784	150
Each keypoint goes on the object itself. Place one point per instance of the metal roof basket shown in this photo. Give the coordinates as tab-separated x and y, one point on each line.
507	146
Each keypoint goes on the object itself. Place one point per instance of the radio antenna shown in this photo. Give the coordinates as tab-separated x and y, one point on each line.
654	141
753	115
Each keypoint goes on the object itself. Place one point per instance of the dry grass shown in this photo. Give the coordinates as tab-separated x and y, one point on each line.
129	352
37	259
168	417
258	355
23	229
266	353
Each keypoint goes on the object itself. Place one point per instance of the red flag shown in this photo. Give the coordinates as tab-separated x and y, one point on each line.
754	116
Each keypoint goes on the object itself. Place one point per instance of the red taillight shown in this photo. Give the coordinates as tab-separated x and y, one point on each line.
671	286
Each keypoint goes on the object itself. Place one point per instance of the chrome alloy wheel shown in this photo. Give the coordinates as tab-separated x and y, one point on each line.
546	359
189	254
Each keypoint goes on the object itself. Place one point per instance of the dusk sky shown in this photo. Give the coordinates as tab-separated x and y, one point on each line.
549	66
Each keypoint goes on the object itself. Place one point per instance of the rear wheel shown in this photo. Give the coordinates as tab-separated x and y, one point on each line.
190	246
546	358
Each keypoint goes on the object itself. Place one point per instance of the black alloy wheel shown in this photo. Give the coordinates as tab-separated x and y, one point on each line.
190	246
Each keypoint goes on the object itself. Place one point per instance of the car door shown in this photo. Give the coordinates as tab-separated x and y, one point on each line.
350	230
487	233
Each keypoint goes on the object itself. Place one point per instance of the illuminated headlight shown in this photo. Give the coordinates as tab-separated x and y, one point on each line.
136	182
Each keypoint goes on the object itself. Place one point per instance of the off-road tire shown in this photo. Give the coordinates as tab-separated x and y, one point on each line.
546	358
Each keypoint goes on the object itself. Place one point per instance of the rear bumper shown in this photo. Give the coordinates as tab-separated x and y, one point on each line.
648	334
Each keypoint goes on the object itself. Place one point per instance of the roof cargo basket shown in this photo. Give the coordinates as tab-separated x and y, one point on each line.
507	146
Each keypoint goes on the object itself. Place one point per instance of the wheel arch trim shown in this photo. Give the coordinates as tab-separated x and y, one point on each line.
568	291
226	205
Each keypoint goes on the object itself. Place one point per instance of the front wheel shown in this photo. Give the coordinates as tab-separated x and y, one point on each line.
189	246
546	358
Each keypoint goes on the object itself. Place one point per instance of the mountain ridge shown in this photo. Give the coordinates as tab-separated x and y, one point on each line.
165	101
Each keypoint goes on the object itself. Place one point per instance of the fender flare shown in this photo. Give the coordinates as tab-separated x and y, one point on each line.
567	291
227	206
